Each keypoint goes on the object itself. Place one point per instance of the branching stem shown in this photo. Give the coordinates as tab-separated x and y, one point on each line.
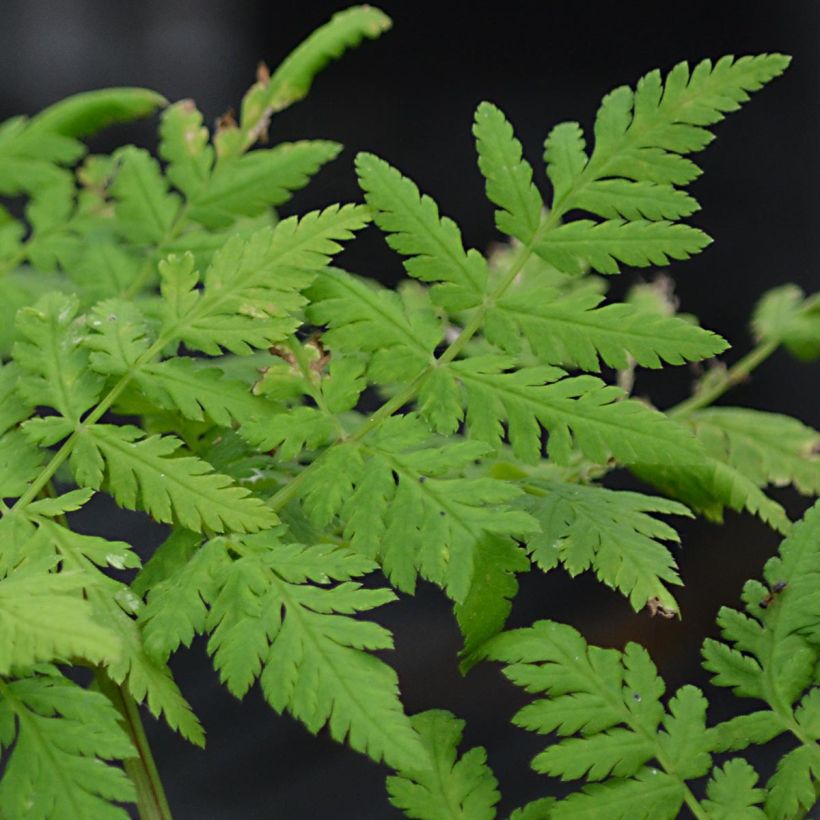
713	389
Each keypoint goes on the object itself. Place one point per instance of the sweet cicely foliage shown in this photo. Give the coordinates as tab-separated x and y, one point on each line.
171	341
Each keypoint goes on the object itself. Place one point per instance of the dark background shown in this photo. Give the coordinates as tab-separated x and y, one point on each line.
410	97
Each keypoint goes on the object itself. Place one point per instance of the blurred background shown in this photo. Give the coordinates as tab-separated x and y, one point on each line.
410	97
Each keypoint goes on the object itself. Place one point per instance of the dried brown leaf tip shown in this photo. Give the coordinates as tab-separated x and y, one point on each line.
226	122
658	608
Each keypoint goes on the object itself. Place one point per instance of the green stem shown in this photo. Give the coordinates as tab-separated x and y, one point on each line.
152	803
714	389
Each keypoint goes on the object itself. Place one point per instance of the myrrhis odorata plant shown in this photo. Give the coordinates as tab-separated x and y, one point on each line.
316	444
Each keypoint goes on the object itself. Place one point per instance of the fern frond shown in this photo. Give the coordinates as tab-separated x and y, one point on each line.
57	738
403	501
508	174
20	463
644	135
176	609
439	786
786	316
581	409
119	337
145	473
292	80
767	448
145	208
196	392
780	634
610	532
43	617
146	679
416	229
486	607
184	145
602	245
252	286
251	184
84	114
610	701
364	317
731	792
574	330
55	366
13	407
638	163
268	620
712	485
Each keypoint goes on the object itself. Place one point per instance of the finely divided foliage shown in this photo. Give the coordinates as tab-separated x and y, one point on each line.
171	341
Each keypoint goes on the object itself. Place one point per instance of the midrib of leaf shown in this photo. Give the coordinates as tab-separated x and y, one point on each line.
32	730
580	320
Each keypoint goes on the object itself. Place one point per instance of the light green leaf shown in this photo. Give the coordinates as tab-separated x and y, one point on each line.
57	737
508	175
250	184
416	229
767	448
44	617
145	473
785	316
55	365
84	114
183	144
574	330
439	786
313	659
292	80
608	531
580	409
145	209
731	793
602	245
252	287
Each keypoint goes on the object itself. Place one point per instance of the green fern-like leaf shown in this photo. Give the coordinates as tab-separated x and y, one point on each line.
57	737
610	532
407	505
440	787
574	330
252	286
416	229
43	617
144	473
509	176
786	316
270	619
